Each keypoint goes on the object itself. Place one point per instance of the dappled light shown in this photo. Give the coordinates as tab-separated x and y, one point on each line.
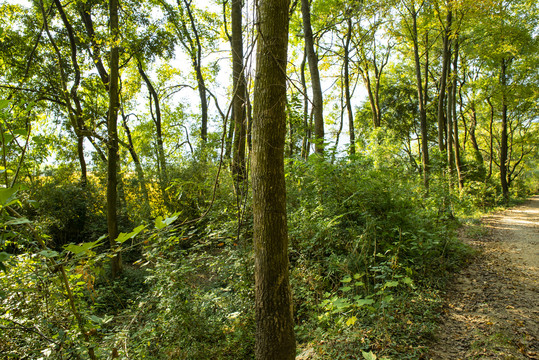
269	179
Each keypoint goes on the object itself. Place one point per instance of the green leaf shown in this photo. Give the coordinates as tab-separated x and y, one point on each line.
48	253
100	321
346	288
409	282
4	256
346	279
391	284
84	247
21	132
39	140
4	104
368	355
7	196
161	223
18	221
362	302
351	321
124	237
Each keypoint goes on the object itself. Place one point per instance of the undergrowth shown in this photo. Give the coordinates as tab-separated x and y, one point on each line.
370	252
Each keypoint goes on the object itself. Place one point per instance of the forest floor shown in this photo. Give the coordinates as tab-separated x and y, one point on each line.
491	309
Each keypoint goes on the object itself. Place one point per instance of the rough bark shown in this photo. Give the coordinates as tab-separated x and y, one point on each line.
112	163
273	301
312	57
239	170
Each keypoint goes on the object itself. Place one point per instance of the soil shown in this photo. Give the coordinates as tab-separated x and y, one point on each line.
491	309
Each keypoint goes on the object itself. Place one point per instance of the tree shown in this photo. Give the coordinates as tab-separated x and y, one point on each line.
112	159
318	101
239	96
189	35
413	32
273	300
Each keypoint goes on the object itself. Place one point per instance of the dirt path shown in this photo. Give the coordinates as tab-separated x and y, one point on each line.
492	306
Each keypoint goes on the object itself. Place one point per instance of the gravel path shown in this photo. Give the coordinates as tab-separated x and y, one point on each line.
492	305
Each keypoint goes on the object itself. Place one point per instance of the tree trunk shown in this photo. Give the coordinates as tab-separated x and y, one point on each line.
491	138
273	300
112	169
473	139
239	170
422	109
196	58
347	95
458	164
449	124
146	211
443	81
305	148
161	158
318	102
503	141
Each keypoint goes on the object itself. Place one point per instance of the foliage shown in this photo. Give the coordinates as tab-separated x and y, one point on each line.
370	247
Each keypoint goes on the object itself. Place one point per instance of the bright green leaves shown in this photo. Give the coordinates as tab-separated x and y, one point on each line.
84	248
160	223
8	196
351	321
123	237
346	305
371	356
17	221
4	104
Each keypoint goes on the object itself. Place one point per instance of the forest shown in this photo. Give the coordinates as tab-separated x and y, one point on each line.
236	179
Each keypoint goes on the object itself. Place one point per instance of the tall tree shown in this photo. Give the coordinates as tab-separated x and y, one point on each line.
112	159
273	300
156	117
312	57
373	55
188	34
239	170
347	94
412	28
446	54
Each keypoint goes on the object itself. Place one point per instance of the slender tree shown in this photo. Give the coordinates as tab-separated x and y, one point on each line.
347	94
420	92
112	163
239	170
273	300
446	55
312	57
